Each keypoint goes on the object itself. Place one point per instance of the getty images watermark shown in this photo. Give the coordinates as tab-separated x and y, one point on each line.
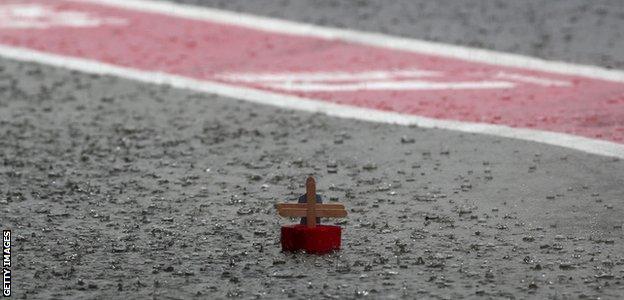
6	263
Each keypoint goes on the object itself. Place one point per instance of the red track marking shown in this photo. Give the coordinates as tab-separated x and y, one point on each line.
450	89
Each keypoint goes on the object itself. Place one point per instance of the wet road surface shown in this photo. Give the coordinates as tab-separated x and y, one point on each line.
587	32
118	189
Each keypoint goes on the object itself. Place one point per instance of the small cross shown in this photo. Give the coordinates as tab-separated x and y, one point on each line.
311	210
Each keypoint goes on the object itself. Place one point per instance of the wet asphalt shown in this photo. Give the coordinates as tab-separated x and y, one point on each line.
587	32
117	189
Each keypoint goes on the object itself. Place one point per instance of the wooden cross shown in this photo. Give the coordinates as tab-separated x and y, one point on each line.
311	210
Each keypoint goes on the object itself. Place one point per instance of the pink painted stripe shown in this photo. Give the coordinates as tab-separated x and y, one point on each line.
448	88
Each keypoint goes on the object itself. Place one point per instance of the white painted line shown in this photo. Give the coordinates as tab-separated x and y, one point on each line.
390	86
533	79
326	76
379	80
38	16
365	38
290	102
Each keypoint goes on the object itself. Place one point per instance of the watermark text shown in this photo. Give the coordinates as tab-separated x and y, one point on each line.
6	263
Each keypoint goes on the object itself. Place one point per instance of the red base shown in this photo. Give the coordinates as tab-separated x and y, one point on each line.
318	240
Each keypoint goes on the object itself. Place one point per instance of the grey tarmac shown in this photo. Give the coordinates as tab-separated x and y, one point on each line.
117	189
587	32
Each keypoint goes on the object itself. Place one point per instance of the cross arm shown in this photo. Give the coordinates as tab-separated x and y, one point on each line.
304	205
320	211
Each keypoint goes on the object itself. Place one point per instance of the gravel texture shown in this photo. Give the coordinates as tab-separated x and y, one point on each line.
116	189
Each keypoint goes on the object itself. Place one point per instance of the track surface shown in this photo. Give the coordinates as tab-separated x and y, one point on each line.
579	31
338	72
116	189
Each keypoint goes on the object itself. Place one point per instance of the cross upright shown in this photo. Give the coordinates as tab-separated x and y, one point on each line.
311	210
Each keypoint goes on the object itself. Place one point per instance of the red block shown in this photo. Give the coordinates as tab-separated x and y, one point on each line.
317	240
